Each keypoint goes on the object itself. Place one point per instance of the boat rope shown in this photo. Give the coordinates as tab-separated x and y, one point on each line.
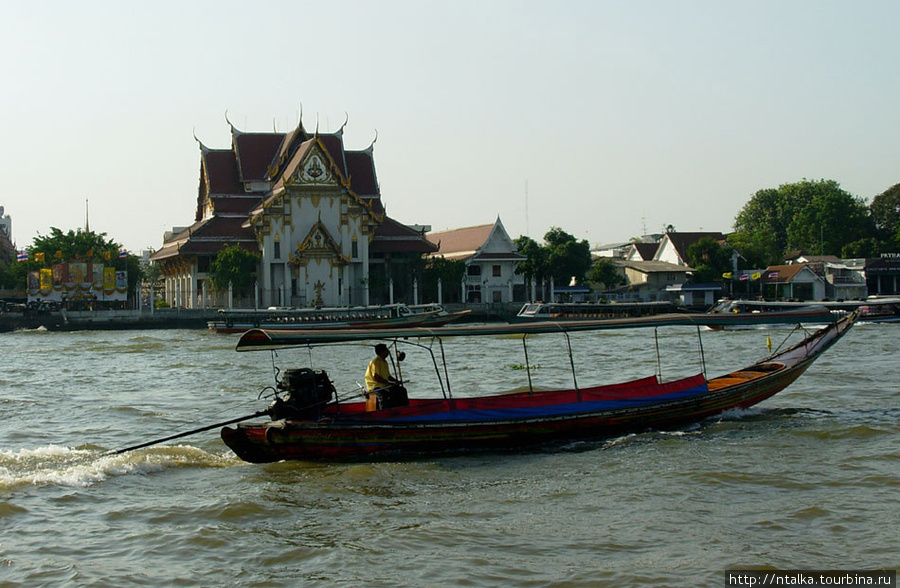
572	364
446	373
275	369
702	355
658	362
527	365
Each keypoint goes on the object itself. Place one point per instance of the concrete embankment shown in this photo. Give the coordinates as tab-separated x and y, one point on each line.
106	320
170	318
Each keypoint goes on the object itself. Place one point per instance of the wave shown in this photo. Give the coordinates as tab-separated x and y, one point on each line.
55	465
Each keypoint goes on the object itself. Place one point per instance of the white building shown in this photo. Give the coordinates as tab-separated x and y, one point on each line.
491	259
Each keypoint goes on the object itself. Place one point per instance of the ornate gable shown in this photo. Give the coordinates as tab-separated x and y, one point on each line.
318	244
315	168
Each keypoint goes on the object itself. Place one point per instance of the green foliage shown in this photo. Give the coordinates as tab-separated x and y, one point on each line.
75	245
535	266
885	213
233	265
561	257
816	216
567	257
606	274
868	247
756	250
709	259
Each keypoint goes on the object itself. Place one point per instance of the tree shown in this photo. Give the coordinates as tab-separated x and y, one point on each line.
756	250
77	245
830	220
605	273
534	267
885	213
709	259
567	258
817	216
233	265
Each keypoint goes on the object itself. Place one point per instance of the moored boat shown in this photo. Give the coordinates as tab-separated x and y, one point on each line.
310	423
575	311
437	316
748	313
350	317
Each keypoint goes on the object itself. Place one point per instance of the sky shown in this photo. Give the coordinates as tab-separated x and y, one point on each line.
608	119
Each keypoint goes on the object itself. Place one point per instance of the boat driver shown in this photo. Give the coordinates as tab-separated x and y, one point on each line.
378	377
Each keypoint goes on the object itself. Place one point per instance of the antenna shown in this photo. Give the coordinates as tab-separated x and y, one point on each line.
527	227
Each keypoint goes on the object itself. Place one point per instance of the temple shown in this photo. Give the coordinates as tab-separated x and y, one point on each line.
313	212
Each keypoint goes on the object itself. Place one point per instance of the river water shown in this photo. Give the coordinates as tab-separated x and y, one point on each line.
807	480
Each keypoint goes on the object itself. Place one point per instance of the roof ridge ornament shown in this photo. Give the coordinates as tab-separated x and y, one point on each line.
203	147
372	144
234	130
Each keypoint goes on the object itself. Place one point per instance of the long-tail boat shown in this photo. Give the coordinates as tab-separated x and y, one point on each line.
345	317
309	422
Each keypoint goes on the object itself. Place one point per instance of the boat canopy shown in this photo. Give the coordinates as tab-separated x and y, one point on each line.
266	339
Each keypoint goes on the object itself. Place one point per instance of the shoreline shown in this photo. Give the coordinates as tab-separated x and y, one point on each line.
169	318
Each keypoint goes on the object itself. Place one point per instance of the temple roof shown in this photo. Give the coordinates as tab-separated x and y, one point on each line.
255	152
236	182
395	237
207	236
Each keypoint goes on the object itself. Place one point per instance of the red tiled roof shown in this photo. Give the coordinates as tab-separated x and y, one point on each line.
230	205
361	167
783	273
221	169
207	236
334	145
255	152
465	240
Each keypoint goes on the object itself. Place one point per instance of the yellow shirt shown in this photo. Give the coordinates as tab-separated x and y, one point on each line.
378	366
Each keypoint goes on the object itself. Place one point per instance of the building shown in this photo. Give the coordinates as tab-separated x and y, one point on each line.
649	281
310	208
7	247
845	279
641	251
883	275
793	282
673	247
491	260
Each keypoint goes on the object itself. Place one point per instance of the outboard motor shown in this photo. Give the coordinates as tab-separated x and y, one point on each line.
308	391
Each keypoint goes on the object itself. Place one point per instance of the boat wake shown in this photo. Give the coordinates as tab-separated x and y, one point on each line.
55	465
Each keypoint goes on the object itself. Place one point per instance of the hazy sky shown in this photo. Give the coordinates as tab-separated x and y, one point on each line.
617	116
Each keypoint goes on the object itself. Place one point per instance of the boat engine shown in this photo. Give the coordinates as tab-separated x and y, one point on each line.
308	391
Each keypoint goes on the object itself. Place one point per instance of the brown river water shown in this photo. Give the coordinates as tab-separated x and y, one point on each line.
809	479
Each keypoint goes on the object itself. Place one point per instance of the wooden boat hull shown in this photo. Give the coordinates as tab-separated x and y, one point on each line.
281	440
517	421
